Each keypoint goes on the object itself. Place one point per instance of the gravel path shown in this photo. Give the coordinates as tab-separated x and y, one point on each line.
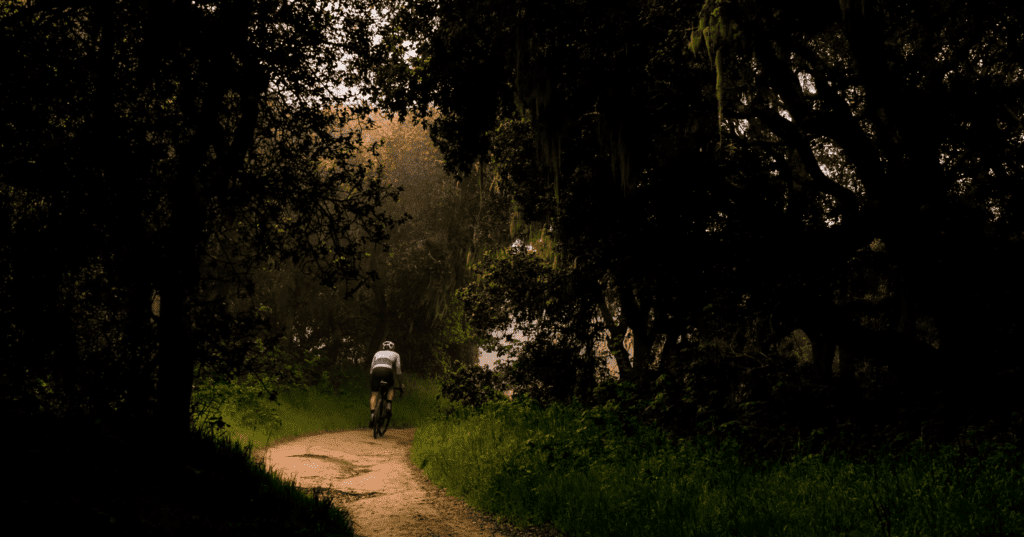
376	481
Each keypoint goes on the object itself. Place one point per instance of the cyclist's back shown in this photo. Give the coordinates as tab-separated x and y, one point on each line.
388	359
387	366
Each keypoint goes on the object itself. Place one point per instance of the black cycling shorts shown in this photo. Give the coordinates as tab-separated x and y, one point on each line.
381	373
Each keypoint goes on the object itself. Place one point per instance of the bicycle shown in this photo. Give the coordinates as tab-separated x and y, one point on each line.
381	417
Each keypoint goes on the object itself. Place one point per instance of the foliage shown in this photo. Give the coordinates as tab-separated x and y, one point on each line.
713	179
518	177
250	397
174	165
510	293
300	412
587	136
845	140
448	221
519	294
720	178
470	386
454	331
600	471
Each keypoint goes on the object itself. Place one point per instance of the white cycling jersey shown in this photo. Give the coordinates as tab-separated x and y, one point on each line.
388	359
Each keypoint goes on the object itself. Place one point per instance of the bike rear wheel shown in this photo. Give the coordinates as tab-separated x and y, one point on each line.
382	424
381	420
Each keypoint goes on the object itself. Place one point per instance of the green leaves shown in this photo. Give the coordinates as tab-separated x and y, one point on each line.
454	329
470	387
174	150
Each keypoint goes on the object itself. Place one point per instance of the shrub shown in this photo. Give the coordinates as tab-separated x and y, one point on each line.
471	386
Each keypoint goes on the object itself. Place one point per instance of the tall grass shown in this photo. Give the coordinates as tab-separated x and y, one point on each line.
592	473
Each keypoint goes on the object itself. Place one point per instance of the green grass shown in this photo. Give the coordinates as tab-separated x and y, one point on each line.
301	412
595	474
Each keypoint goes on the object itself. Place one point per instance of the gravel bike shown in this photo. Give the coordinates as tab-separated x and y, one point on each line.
381	416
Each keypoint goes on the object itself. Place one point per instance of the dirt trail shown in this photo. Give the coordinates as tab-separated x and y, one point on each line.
376	481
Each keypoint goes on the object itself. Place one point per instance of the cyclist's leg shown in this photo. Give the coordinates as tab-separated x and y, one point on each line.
373	392
374	386
391	389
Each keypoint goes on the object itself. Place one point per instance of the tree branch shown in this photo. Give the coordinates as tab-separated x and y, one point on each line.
795	138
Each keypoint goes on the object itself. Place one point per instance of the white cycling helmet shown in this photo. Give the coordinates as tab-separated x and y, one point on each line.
388	346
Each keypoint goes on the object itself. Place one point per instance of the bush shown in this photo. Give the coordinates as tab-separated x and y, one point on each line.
471	386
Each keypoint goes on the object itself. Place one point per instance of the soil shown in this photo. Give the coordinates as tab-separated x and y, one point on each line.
376	481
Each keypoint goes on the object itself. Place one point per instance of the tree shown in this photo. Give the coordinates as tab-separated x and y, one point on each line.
740	172
900	123
579	128
144	161
425	263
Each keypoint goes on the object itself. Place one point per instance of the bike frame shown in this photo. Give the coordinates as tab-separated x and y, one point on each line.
382	394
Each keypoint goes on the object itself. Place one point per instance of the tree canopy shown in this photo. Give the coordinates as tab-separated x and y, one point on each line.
707	185
155	155
745	172
444	225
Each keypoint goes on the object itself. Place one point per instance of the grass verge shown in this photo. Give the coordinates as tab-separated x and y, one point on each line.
296	413
600	473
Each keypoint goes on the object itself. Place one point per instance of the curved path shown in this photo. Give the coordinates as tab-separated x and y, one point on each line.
376	481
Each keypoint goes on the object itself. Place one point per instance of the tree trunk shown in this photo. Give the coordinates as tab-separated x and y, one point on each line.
823	355
636	317
380	329
586	383
847	364
178	282
175	362
618	334
674	343
822	336
908	306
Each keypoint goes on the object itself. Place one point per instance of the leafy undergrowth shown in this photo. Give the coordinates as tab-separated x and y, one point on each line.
602	472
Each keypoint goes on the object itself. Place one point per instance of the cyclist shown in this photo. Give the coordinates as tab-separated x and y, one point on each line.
386	365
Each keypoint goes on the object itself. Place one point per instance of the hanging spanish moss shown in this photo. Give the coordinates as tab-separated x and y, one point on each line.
534	94
612	130
715	31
